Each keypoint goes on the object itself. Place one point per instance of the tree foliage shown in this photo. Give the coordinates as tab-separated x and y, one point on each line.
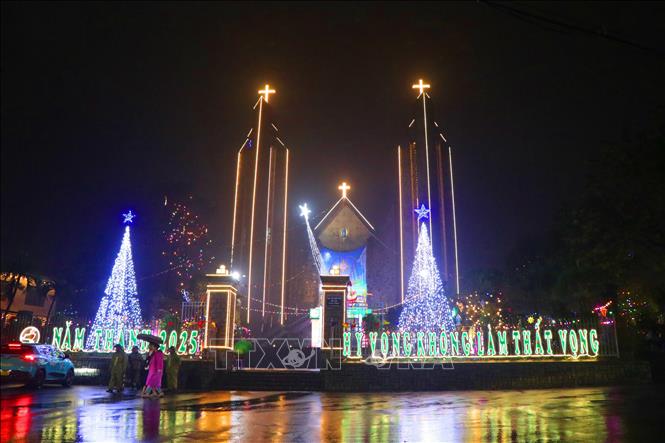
609	238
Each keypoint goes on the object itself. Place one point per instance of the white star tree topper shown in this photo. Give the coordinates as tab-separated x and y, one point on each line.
129	217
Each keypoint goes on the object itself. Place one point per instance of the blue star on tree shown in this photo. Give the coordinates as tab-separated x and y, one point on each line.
422	212
129	217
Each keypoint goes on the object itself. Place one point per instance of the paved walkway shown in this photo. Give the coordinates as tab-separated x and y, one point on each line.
86	413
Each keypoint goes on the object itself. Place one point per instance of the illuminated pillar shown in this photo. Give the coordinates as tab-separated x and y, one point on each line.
251	229
235	195
428	180
334	288
286	199
452	190
421	87
401	227
269	193
221	294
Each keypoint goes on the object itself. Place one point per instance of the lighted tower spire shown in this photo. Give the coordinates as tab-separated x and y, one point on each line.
258	239
421	87
424	170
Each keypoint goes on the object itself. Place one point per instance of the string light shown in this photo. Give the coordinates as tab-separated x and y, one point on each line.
631	307
425	306
297	312
479	310
119	309
313	246
187	240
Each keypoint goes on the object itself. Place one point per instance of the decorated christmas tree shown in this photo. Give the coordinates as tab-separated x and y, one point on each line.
426	307
119	309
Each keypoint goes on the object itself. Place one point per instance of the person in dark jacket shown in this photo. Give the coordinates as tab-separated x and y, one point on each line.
135	368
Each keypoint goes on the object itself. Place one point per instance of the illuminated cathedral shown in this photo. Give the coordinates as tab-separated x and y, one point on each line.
271	290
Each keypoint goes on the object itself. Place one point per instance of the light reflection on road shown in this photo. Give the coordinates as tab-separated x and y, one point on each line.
89	414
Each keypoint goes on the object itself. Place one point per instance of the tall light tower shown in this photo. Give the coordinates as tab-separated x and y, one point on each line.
425	176
260	217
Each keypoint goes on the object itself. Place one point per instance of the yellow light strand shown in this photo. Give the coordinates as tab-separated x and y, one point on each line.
251	230
452	191
401	234
235	207
265	258
286	196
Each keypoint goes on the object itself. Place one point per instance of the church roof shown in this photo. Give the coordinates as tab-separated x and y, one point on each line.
344	227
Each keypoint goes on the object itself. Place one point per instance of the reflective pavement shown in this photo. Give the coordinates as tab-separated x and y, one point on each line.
86	413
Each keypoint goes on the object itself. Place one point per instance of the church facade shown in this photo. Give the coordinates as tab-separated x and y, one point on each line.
343	235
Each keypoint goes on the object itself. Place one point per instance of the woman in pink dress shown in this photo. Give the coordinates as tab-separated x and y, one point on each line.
153	384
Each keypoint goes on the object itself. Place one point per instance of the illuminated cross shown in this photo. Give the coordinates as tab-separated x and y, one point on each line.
344	187
266	92
420	86
129	217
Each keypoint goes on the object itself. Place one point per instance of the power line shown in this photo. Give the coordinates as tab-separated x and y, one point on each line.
547	22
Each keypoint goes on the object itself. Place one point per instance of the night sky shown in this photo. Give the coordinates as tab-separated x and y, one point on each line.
111	106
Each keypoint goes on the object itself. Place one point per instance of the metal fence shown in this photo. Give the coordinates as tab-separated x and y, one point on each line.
193	311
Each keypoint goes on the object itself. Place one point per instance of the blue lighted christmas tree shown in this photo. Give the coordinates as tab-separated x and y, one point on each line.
119	309
426	307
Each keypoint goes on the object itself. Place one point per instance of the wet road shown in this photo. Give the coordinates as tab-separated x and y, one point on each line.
86	413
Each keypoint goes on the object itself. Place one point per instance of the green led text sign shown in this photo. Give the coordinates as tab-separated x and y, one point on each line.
489	344
66	339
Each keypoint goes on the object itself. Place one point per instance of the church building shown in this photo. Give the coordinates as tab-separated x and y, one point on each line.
343	235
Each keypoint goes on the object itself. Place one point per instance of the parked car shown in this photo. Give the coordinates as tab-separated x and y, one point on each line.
35	364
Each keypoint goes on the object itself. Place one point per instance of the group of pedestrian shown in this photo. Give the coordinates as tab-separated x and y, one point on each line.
131	369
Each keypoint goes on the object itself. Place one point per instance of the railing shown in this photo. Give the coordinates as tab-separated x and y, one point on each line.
193	311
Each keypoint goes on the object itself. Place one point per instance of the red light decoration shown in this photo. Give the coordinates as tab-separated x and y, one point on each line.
186	239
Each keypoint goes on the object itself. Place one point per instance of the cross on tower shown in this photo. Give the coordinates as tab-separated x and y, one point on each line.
266	92
420	86
344	187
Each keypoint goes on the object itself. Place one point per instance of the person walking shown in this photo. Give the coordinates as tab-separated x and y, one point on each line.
144	373
118	368
172	369
153	384
135	368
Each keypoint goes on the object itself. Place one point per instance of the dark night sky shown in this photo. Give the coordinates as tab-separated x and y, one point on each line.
110	106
